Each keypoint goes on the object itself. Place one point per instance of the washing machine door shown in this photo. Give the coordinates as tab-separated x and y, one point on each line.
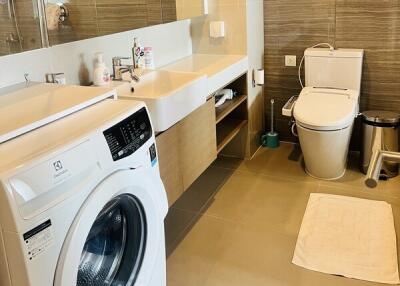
114	239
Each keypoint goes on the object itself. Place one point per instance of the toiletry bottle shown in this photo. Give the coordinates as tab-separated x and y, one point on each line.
101	76
148	58
138	55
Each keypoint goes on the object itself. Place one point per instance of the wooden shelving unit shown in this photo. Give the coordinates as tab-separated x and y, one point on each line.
227	130
231	121
225	109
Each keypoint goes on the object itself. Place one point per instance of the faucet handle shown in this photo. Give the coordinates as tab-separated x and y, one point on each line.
117	60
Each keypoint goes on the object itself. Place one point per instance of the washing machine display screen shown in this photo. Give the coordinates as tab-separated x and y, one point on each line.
129	135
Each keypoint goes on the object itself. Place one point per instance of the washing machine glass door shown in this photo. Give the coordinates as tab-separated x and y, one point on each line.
114	249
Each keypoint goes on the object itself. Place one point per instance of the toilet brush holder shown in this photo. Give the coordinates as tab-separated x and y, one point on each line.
271	139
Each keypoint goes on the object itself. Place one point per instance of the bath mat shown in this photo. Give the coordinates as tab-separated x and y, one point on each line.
350	237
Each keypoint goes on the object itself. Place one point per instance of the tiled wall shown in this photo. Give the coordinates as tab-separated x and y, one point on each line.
293	25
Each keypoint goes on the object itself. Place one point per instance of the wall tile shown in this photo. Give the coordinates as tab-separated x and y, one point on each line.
292	26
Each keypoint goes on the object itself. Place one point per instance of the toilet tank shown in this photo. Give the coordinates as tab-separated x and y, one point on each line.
340	68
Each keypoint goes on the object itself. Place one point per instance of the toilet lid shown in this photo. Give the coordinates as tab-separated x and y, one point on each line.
326	109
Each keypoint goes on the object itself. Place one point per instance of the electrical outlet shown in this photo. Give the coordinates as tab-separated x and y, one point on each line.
290	61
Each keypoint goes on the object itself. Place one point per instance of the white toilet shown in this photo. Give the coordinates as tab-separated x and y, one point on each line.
326	109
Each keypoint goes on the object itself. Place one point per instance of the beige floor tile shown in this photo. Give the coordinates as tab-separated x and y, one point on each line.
348	190
259	256
355	179
177	223
283	162
392	187
276	162
196	255
239	224
263	201
203	189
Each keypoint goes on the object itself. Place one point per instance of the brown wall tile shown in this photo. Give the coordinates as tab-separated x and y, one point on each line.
291	26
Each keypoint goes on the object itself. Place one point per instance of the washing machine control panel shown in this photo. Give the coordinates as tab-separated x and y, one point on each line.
129	135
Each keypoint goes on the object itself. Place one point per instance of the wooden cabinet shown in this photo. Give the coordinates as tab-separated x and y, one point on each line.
170	168
198	142
187	149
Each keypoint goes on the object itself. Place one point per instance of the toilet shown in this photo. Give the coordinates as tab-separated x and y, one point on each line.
326	109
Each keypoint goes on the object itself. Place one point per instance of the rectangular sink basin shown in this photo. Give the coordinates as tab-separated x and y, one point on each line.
170	96
219	69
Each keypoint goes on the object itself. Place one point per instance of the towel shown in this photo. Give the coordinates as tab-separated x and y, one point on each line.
347	236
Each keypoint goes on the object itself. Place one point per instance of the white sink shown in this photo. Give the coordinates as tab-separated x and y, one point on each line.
219	69
170	96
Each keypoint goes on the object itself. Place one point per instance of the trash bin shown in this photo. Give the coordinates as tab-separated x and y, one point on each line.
380	131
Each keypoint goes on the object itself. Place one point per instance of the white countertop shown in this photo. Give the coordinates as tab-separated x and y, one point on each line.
220	69
35	105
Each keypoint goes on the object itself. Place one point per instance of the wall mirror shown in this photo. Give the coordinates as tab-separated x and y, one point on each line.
32	24
19	26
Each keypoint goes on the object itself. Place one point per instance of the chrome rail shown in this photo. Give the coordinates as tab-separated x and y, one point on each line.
374	170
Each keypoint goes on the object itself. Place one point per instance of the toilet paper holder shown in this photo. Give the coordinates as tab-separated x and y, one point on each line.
258	77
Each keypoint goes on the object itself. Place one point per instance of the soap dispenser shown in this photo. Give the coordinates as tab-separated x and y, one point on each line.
138	55
101	75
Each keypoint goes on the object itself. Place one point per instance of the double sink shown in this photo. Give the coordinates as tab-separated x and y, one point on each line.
174	91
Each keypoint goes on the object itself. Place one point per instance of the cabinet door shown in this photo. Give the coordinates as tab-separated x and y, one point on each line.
170	169
198	143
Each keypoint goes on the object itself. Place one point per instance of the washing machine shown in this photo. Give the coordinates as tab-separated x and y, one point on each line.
82	202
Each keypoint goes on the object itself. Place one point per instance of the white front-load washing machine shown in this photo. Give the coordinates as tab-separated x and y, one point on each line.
82	202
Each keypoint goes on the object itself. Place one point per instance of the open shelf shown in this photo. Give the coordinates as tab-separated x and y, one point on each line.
227	130
225	109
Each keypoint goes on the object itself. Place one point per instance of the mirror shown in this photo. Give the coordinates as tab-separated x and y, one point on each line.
19	26
92	18
32	24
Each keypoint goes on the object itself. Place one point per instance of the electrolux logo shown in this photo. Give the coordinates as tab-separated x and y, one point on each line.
58	165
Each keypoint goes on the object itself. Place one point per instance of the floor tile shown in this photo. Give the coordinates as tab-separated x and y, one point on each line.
259	256
238	224
263	201
192	262
177	223
203	189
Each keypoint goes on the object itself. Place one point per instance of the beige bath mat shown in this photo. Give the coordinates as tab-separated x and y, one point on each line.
351	237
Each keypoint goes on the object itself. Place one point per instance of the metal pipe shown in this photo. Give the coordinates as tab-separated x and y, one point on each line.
44	33
375	166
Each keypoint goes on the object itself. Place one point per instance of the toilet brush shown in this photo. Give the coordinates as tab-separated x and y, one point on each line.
271	139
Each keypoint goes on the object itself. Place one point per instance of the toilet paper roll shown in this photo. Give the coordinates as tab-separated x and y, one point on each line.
53	12
259	77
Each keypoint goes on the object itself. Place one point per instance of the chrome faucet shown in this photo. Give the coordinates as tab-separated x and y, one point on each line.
375	166
119	69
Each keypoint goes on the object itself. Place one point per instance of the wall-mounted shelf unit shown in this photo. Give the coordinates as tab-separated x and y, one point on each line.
231	121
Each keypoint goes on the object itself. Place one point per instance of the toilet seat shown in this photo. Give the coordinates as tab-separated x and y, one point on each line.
326	109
